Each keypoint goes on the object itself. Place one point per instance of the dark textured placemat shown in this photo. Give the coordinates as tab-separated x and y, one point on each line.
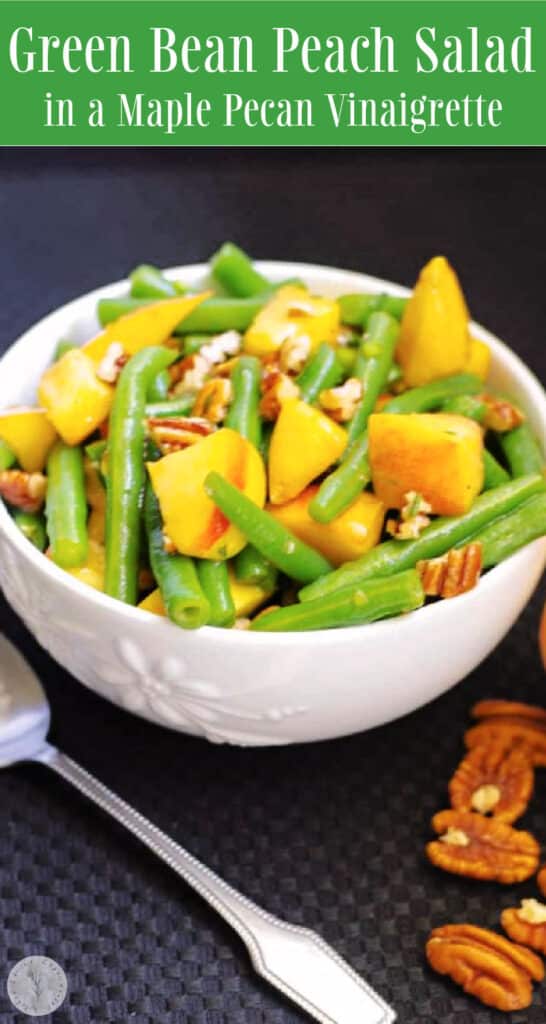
332	834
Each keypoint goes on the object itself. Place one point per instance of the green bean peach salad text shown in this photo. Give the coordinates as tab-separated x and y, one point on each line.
265	458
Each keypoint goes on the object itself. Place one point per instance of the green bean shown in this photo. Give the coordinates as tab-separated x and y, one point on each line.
493	473
471	406
504	536
346	357
521	451
395	374
180	405
323	370
211	317
159	387
444	533
95	451
7	457
357	308
243	413
126	473
33	526
233	270
432	396
176	575
352	606
278	544
343	485
66	506
148	282
377	351
192	343
62	348
252	567
214	580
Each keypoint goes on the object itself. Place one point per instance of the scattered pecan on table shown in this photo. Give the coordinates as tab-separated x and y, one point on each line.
526	924
478	847
488	966
541	880
492	780
511	731
500	708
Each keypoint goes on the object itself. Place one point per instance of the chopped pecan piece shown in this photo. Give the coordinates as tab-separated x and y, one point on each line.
492	780
23	490
276	387
526	924
486	965
171	434
112	363
493	708
340	403
510	731
294	353
494	851
188	374
226	344
213	400
501	415
413	517
453	573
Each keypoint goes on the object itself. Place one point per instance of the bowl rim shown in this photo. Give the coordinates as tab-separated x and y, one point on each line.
499	574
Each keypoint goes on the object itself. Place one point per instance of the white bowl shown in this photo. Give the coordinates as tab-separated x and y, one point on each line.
257	688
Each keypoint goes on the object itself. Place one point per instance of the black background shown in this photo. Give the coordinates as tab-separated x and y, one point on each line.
330	835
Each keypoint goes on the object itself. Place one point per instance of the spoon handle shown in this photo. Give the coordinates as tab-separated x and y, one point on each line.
293	959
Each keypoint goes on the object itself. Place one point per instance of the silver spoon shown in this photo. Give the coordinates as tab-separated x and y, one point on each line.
293	959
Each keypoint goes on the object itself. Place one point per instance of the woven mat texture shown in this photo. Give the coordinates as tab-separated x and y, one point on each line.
329	835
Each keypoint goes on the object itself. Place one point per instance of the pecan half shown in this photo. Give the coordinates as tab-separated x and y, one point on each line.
294	353
340	403
276	388
486	965
501	415
112	363
453	573
526	924
213	400
492	780
494	708
23	490
171	434
480	847
511	731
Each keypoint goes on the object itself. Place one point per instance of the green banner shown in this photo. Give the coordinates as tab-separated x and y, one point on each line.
274	72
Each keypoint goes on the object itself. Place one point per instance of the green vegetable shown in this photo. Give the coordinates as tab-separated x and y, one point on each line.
233	270
434	395
62	348
356	308
323	370
159	387
346	357
341	487
471	406
377	353
444	533
66	506
494	473
243	414
352	606
213	316
126	473
180	405
7	457
148	282
279	545
252	567
176	575
33	526
193	343
521	451
504	536
214	580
